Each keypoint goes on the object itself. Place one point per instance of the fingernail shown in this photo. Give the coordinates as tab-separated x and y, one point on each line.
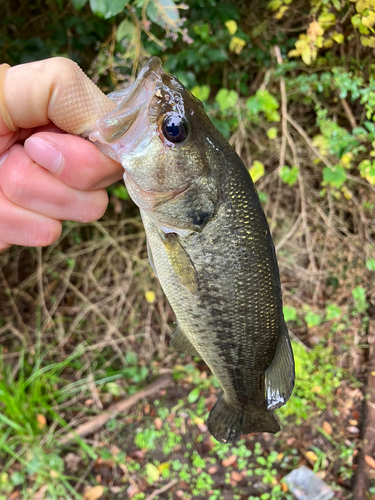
44	153
3	157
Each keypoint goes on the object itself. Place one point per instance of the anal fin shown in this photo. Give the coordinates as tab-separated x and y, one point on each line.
181	342
279	379
151	258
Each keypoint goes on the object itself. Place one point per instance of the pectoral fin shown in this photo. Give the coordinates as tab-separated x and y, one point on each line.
280	373
180	262
180	342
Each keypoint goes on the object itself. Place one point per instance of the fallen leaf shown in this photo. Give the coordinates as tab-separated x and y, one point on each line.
94	493
353	422
327	427
158	423
236	476
42	422
370	461
213	469
284	486
310	455
353	430
227	462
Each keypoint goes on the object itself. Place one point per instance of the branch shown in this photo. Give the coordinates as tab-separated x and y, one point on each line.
122	406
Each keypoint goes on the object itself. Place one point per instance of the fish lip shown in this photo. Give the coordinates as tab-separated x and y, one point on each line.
114	126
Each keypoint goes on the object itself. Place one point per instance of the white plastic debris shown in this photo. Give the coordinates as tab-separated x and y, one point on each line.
306	485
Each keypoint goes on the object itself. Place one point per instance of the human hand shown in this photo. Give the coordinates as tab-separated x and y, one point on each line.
46	175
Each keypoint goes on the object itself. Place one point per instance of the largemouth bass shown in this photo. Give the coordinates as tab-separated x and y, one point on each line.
209	245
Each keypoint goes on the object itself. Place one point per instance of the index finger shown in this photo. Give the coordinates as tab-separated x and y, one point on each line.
54	90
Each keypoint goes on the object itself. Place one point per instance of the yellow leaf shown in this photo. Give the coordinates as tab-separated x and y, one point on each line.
232	26
236	44
164	466
307	55
150	297
368	41
337	37
281	12
94	493
310	455
153	473
257	171
362	5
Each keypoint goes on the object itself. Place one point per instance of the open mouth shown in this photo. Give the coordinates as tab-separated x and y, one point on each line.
130	115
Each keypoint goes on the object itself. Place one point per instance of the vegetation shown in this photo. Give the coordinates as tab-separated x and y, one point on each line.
84	322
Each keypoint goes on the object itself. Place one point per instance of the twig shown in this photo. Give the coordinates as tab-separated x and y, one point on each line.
162	490
349	113
308	141
122	406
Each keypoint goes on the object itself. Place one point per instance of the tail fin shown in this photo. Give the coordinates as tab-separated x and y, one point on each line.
227	423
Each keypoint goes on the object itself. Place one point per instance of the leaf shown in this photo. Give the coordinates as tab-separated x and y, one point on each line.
107	8
312	319
94	493
163	13
152	473
227	99
125	29
290	313
236	44
113	388
370	461
201	92
79	4
289	175
42	422
272	133
193	395
150	296
370	264
334	176
327	428
333	312
311	456
232	26
257	170
227	462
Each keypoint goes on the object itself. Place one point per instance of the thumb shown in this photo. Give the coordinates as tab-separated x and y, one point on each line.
54	90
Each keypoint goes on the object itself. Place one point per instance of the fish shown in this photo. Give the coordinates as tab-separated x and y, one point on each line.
209	245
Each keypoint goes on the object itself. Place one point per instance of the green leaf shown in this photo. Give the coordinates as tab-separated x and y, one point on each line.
370	264
290	313
113	388
121	192
264	102
359	296
334	176
79	4
193	395
312	319
272	133
125	29
332	312
227	99
201	92
257	170
107	8
289	175
131	357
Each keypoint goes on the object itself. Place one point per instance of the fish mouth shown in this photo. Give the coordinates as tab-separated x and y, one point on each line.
121	128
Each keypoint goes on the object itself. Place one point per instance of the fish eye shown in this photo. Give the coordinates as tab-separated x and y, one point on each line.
174	128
